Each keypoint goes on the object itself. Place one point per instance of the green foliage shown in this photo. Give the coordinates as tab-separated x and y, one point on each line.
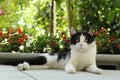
10	8
36	17
5	47
101	15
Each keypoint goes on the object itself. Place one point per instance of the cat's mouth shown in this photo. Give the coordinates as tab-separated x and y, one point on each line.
81	47
78	48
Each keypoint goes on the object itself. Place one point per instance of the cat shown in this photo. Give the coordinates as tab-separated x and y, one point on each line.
82	56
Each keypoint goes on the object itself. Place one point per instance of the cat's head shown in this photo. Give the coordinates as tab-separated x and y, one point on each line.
81	40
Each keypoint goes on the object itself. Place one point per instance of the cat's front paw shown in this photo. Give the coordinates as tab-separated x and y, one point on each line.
94	69
98	71
24	66
70	69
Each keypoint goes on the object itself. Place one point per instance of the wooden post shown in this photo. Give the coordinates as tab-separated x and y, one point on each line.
70	14
53	18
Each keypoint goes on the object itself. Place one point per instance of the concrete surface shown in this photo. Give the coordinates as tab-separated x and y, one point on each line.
11	73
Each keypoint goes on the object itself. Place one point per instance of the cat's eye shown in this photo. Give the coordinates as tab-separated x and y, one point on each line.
76	40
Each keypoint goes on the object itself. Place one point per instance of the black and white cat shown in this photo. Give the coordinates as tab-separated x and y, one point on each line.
82	56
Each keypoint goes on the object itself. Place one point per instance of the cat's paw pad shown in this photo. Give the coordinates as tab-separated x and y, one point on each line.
24	66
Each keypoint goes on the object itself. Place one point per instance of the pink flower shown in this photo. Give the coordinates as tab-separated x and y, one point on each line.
1	12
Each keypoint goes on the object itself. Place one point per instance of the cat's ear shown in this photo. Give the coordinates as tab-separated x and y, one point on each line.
73	31
90	32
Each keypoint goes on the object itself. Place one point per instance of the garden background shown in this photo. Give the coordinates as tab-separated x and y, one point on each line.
36	26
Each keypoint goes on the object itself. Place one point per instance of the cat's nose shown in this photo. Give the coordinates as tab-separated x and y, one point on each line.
81	45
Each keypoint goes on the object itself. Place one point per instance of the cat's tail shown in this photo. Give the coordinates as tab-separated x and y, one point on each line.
33	62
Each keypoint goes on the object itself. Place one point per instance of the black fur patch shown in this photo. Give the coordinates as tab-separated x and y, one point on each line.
63	55
89	38
40	60
76	36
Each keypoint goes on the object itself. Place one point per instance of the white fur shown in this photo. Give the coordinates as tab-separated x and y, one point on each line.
70	68
24	66
83	58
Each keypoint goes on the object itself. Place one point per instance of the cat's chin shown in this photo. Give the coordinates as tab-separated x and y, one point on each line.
80	49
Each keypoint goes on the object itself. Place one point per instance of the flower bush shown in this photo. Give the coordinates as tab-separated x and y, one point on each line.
18	41
108	42
58	43
12	40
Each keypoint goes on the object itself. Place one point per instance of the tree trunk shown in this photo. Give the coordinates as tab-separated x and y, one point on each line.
70	15
53	18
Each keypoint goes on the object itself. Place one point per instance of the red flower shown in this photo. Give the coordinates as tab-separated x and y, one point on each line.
96	33
1	12
103	30
19	30
21	40
118	46
11	30
64	37
98	43
112	39
10	41
7	36
67	41
1	33
25	37
63	33
53	45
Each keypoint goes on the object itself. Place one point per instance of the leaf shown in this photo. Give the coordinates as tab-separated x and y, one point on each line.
112	14
59	2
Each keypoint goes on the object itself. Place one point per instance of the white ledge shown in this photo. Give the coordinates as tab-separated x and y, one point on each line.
17	55
108	58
